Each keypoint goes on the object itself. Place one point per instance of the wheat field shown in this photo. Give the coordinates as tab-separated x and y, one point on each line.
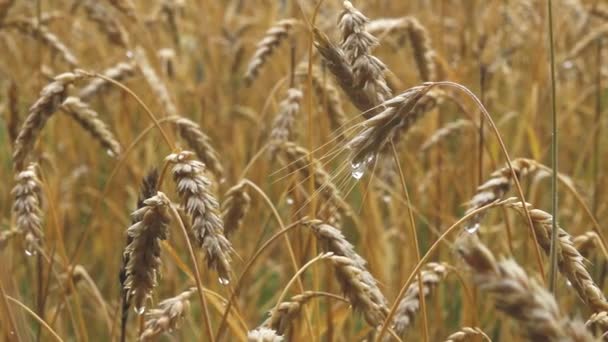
303	170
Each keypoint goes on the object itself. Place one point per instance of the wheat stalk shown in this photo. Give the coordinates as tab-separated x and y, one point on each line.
275	35
90	121
51	97
517	295
201	205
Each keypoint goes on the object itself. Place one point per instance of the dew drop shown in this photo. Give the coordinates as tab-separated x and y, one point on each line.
111	153
568	283
129	54
140	310
30	252
224	281
223	180
473	229
357	170
386	199
568	65
289	201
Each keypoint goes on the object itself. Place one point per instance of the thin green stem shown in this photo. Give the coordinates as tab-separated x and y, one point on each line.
553	250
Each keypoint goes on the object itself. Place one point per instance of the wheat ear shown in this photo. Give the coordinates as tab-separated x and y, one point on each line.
106	23
155	83
467	333
200	143
357	45
432	274
26	207
143	265
235	205
570	261
263	334
275	35
119	72
194	189
167	315
517	295
358	285
444	132
283	129
49	101
90	121
147	190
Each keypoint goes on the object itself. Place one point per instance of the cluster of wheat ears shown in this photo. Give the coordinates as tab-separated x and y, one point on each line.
303	170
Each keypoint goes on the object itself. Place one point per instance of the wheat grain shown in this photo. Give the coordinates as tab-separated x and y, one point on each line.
202	206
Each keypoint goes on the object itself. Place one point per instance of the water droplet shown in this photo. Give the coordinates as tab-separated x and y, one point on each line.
289	201
129	54
222	180
111	153
473	229
29	251
140	310
357	170
568	283
568	65
386	198
224	281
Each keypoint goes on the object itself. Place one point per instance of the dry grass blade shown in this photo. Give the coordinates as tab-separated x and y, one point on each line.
569	259
90	121
467	333
235	206
200	143
432	274
519	296
283	129
51	97
358	285
26	207
118	72
167	315
263	334
201	205
275	35
143	252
